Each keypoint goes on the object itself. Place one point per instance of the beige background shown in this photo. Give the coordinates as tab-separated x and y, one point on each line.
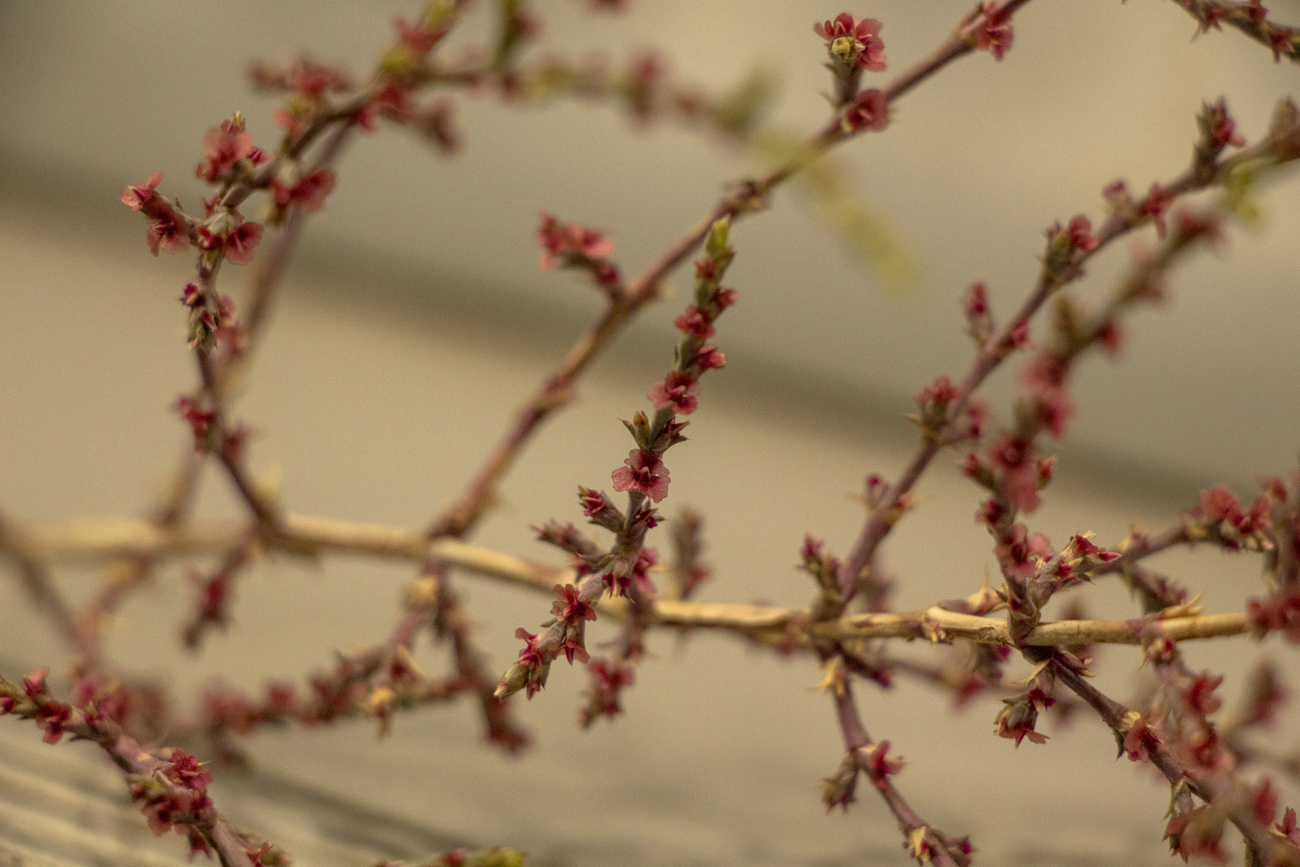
415	321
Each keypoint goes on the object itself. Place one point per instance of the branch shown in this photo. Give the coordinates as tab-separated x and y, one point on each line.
310	536
1249	18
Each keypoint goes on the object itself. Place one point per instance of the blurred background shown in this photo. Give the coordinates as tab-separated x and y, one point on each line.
414	320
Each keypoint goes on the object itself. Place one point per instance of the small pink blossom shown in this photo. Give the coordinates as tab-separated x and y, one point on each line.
1220	127
137	196
416	37
1219	504
309	192
1155	206
1280	42
994	33
240	243
696	323
561	240
592	502
1081	237
569	606
869	111
856	39
642	471
167	233
1211	15
709	357
187	772
224	146
678	389
878	764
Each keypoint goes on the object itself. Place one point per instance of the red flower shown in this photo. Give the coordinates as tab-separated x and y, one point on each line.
994	32
1200	696
530	656
1219	504
678	389
34	682
1017	719
137	196
239	243
1280	41
167	233
592	502
309	192
1081	237
708	357
608	679
1142	739
53	717
869	111
224	146
1156	205
187	772
644	472
572	647
560	240
416	37
1197	832
1287	827
1211	14
569	607
878	765
940	392
696	323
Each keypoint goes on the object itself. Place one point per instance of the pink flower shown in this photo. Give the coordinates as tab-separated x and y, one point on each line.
696	323
878	764
678	389
1080	232
240	243
309	192
708	357
644	472
994	33
530	656
856	39
1219	504
1156	205
1143	738
1280	42
571	648
939	393
591	501
1219	126
1211	14
416	37
167	233
187	772
224	146
137	196
869	111
561	240
53	717
569	606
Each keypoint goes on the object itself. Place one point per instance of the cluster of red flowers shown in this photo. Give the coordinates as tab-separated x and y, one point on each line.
571	245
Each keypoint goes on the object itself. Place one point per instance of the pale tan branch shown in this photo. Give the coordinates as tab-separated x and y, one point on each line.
312	536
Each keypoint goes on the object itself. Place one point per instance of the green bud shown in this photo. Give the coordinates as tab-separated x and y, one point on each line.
715	244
